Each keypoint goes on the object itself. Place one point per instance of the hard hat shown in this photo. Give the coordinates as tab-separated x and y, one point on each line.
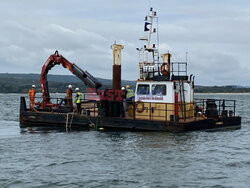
123	88
69	86
77	89
127	86
33	86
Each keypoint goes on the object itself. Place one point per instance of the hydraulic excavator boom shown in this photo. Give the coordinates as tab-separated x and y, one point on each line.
56	59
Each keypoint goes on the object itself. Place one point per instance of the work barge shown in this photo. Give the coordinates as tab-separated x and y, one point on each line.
163	99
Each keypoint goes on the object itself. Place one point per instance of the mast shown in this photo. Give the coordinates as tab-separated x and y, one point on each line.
149	48
150	67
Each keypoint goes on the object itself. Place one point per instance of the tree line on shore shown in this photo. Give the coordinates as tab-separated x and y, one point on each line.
21	83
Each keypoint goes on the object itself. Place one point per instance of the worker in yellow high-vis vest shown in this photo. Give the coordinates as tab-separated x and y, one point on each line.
78	100
129	93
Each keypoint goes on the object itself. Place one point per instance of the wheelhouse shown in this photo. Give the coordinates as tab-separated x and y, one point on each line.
163	92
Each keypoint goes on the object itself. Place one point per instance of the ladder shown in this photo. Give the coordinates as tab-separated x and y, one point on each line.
182	98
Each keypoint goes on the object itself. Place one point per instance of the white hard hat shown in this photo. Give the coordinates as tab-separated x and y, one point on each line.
69	86
33	86
77	89
123	88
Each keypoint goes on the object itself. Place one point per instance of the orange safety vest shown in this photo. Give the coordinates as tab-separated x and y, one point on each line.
32	93
69	93
32	97
69	97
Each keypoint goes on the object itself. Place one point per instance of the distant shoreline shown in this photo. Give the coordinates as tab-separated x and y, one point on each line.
241	93
21	83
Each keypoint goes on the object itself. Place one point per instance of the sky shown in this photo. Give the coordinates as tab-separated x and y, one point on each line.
215	33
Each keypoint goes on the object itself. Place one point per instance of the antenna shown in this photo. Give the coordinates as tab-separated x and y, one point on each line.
150	30
149	4
157	30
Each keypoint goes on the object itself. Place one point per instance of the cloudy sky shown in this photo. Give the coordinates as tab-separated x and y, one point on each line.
215	33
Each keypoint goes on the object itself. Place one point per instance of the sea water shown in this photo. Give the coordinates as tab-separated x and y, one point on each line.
53	158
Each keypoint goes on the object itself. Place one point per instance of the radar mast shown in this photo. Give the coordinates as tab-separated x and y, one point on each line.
150	50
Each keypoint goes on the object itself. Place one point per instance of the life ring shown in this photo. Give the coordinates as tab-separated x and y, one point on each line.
140	109
165	69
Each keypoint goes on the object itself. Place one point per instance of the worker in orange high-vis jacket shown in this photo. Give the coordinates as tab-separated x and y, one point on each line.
69	96
32	96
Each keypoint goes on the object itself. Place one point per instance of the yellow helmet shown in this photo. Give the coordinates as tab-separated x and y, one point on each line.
127	86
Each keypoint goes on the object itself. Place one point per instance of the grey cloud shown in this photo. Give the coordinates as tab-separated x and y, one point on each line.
216	36
219	69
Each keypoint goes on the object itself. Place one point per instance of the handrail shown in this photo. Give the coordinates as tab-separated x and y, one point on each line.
162	111
222	104
152	70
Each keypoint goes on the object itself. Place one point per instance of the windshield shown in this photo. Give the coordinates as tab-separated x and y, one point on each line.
143	89
158	89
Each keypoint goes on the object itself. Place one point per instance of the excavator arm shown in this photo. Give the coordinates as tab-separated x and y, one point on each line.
56	59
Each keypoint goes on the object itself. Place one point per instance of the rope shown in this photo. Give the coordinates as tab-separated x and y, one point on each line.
91	123
67	119
34	109
94	125
71	119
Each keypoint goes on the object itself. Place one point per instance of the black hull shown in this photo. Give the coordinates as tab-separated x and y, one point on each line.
35	119
31	119
76	121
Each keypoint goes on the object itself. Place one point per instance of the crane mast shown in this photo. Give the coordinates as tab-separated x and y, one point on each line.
56	59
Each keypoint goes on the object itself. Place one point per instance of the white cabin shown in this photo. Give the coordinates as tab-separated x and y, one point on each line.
164	91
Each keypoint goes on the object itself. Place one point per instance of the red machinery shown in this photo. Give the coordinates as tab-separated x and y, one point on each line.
56	59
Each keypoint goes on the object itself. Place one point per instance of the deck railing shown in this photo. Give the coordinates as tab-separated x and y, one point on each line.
148	71
135	110
224	107
152	111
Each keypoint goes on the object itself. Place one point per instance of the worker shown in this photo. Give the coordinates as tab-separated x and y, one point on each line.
78	100
69	96
129	93
32	96
124	92
123	105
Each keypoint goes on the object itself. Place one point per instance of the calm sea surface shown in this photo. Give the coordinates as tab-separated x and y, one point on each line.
43	158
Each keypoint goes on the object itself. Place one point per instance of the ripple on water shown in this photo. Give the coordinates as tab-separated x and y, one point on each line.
51	158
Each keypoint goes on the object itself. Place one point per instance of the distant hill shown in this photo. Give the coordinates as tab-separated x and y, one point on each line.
56	78
221	89
21	83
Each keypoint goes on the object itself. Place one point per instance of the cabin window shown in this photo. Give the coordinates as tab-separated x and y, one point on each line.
159	89
143	89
